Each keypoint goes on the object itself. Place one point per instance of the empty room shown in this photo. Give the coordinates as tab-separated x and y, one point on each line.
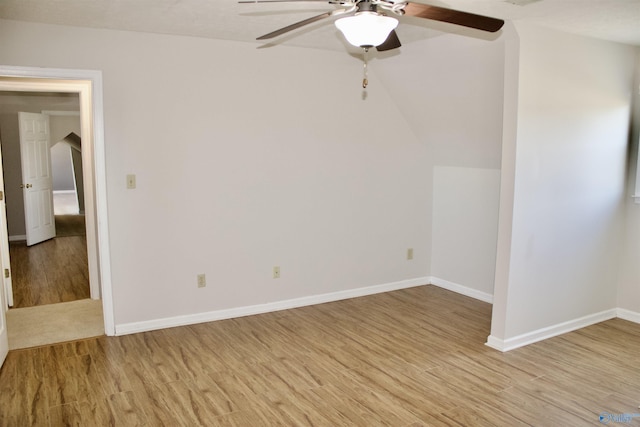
439	226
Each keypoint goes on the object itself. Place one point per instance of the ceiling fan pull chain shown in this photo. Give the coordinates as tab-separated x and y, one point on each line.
365	80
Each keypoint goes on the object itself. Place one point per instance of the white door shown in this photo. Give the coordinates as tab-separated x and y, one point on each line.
5	264
4	257
36	177
8	290
4	336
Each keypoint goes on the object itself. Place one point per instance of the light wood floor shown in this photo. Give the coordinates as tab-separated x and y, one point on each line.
50	272
413	357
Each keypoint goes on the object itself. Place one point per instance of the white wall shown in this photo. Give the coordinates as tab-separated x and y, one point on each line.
245	158
465	222
450	90
60	127
570	158
62	168
629	285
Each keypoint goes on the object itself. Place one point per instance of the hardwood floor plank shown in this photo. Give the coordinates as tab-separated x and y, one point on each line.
246	418
158	406
125	410
110	376
416	395
237	394
67	380
27	275
294	410
414	357
85	413
198	408
542	411
218	401
339	407
50	272
386	409
24	401
480	415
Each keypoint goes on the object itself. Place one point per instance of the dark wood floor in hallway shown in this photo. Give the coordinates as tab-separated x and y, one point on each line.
50	272
414	357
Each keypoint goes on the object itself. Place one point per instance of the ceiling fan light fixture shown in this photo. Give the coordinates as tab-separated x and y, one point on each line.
366	29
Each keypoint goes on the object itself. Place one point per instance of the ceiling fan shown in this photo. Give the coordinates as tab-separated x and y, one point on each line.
367	23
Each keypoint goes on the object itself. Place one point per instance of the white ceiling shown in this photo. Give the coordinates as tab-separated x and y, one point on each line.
615	20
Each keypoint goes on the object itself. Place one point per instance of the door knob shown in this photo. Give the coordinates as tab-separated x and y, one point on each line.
28	186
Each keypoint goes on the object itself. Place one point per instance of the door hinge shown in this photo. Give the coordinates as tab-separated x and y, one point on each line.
1	195
6	273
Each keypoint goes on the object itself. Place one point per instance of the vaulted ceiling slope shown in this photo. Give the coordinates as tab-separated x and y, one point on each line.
613	20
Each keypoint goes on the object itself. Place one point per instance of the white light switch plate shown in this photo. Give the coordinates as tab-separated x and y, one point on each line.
131	181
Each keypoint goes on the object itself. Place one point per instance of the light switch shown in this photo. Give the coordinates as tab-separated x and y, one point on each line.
131	182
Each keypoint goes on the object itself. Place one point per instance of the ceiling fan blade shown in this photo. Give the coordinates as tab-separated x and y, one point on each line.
302	23
392	42
282	1
294	26
451	16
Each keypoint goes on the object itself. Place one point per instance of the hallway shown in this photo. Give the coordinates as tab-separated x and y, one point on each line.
50	272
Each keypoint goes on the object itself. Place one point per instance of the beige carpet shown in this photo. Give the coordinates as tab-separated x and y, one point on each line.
54	323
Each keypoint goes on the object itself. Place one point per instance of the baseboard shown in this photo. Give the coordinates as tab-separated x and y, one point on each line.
495	343
550	331
190	319
631	316
18	238
461	289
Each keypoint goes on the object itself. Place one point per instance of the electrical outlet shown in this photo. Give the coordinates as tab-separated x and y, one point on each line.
202	280
276	272
410	253
131	182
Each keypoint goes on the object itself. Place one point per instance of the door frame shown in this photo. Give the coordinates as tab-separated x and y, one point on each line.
88	85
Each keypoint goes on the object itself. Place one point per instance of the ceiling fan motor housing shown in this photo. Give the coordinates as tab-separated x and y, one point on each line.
367	6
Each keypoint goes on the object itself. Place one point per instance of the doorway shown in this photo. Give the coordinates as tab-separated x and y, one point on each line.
87	85
52	269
